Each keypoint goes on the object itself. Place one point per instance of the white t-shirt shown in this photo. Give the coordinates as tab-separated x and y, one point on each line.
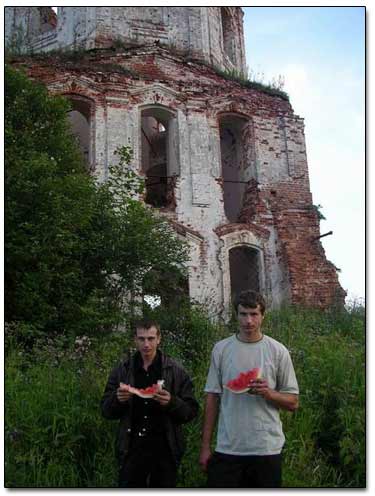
249	424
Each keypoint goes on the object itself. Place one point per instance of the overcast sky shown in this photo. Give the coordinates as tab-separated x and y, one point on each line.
320	53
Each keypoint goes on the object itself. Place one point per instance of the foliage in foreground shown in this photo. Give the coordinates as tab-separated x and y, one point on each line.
55	436
73	248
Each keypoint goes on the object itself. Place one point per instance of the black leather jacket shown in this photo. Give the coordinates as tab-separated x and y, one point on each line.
182	408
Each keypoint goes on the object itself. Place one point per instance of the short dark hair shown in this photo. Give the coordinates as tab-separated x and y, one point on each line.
146	324
250	299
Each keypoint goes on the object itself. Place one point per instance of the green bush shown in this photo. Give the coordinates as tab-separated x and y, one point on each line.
73	248
55	436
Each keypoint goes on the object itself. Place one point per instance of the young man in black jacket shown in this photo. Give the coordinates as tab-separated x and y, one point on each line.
150	442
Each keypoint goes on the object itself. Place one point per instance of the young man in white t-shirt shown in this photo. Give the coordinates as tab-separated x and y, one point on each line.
250	436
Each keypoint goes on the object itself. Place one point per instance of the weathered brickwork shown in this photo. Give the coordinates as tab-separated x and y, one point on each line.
226	164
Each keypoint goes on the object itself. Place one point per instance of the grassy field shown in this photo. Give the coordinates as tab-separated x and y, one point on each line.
56	437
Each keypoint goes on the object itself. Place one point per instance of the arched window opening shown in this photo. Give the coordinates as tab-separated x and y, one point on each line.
234	164
228	34
80	121
244	266
159	156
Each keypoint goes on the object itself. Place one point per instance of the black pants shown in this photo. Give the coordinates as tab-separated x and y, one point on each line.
244	471
149	464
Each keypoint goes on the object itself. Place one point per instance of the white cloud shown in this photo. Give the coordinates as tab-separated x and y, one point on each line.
297	85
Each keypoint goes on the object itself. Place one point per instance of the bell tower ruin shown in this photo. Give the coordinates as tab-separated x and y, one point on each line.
224	160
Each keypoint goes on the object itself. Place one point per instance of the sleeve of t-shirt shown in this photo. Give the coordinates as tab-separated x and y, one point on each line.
286	377
213	382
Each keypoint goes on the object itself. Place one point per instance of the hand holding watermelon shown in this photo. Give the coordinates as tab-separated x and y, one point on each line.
123	394
163	397
260	387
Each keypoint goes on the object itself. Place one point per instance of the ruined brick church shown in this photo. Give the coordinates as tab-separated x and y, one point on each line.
224	161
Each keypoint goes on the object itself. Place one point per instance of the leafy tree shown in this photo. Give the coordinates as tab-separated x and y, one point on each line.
73	248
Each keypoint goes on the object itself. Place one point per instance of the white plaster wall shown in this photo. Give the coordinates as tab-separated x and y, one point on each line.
73	27
8	24
296	148
270	148
202	208
194	30
277	283
100	149
184	205
122	130
280	150
204	167
23	31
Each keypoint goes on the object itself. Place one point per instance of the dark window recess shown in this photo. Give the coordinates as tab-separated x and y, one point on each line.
159	157
233	164
244	269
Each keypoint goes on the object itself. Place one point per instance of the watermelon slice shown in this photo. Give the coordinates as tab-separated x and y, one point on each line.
241	384
148	392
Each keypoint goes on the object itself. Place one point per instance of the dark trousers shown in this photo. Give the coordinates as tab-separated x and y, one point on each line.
149	464
244	471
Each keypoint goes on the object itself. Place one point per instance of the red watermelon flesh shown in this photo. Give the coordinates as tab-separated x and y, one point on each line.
148	392
241	384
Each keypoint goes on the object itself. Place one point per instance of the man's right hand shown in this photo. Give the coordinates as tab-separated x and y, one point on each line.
204	458
122	393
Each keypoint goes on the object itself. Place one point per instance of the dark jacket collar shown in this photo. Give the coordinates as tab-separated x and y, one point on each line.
166	361
138	362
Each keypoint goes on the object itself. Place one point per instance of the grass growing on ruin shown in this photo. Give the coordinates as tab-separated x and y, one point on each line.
255	81
55	436
84	60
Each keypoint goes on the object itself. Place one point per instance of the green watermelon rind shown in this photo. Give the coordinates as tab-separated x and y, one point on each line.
237	391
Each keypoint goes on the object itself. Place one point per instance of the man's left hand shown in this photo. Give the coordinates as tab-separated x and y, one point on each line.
163	397
261	388
287	401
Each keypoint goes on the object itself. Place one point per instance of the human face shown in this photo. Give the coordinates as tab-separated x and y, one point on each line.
250	322
147	342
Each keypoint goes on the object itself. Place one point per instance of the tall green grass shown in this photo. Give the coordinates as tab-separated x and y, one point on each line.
56	437
328	351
